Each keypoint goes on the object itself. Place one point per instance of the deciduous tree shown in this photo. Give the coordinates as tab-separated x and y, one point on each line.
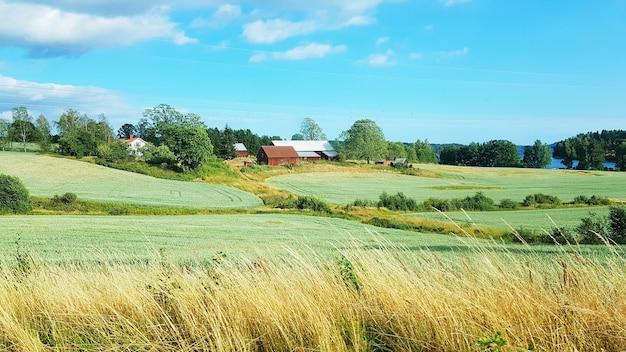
43	128
311	131
537	155
364	140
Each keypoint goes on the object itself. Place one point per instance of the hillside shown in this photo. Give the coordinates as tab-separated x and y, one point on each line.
47	176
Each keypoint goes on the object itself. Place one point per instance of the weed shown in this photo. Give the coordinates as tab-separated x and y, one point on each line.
492	342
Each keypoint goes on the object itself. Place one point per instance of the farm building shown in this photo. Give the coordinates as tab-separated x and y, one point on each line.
310	150
277	155
134	144
401	162
241	150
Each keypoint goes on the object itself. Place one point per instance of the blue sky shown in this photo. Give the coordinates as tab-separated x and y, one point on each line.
443	70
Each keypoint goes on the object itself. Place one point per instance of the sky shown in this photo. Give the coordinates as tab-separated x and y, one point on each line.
449	71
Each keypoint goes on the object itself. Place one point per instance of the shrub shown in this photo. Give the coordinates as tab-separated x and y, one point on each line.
561	235
592	229
479	201
397	202
66	199
541	199
154	155
311	203
362	203
617	224
14	196
508	204
593	200
436	203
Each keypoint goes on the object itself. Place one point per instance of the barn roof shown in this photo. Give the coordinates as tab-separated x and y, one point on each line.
240	147
280	151
307	146
308	154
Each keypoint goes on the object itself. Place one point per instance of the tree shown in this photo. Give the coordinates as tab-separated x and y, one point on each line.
617	224
226	148
5	133
191	145
156	120
396	150
22	124
364	140
620	157
43	127
127	130
70	122
297	137
424	152
79	144
14	196
449	155
311	131
114	152
537	156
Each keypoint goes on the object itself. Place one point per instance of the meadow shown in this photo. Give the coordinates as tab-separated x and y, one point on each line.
46	176
266	280
448	182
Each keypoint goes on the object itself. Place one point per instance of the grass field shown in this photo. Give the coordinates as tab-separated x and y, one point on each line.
455	182
544	219
47	176
133	238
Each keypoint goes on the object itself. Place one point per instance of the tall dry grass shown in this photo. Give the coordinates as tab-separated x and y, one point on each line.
384	299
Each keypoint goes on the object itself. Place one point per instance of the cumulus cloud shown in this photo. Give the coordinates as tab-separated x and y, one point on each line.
455	53
303	52
416	56
48	31
323	15
224	15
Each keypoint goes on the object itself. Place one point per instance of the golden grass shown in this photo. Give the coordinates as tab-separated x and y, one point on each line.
384	299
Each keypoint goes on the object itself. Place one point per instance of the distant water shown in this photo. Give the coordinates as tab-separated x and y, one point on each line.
556	163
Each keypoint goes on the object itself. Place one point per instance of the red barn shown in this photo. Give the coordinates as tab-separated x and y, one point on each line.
272	155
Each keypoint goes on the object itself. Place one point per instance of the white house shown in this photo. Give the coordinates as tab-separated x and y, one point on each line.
135	144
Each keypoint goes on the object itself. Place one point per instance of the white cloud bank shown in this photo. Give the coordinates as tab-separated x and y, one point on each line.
49	31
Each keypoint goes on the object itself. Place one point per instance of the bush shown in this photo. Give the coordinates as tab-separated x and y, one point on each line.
397	202
617	224
479	201
593	200
436	203
14	197
311	203
362	203
593	229
154	155
508	204
541	199
66	199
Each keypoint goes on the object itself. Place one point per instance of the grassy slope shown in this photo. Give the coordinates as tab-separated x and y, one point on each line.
47	176
455	182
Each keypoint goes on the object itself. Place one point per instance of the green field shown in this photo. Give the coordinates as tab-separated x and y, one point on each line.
47	176
544	219
447	182
54	238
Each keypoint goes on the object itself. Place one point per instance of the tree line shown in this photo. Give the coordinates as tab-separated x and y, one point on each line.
591	149
183	141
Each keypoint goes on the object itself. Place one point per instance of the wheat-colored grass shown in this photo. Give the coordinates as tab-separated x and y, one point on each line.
387	299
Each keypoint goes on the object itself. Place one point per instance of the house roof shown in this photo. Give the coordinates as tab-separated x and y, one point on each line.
132	139
307	146
240	147
308	154
280	151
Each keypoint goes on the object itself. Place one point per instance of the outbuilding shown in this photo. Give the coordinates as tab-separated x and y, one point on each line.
273	155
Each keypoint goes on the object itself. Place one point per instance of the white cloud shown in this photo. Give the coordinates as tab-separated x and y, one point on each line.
50	31
382	40
51	98
380	59
322	15
303	52
416	56
449	3
272	31
221	17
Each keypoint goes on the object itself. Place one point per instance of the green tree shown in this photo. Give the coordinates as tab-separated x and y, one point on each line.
620	156
71	122
127	130
79	144
191	145
396	150
226	148
537	155
449	155
311	131
161	155
617	224
424	152
5	133
43	127
114	152
156	120
14	196
364	140
297	137
23	124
